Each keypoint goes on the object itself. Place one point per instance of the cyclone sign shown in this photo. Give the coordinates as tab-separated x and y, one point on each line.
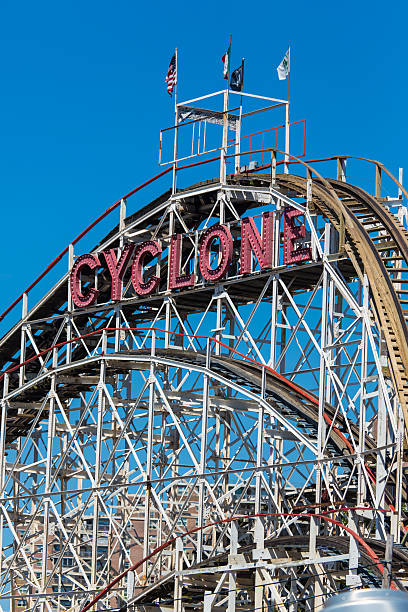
217	239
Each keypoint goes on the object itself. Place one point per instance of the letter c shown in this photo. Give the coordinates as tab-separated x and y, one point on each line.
80	299
141	287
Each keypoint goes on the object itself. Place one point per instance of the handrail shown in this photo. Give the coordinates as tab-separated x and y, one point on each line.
78	238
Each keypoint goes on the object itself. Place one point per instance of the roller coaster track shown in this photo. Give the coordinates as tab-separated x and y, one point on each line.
279	547
293	401
375	241
370	566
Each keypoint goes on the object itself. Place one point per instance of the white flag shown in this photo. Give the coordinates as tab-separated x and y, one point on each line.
284	67
226	60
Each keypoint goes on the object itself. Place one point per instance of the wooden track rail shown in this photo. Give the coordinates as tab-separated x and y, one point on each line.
374	241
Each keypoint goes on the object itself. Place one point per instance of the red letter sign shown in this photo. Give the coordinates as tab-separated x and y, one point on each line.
251	241
175	279
141	251
291	233
226	247
79	299
117	269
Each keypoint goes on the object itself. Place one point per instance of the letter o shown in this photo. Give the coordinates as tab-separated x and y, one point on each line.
226	245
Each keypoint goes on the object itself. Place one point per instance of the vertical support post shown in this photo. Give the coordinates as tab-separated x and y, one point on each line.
218	330
178	580
259	528
292	604
117	327
238	139
361	484
259	590
232	577
149	452
48	466
21	374
273	168
219	290
98	455
122	218
400	179
130	585
286	167
70	305
377	181
167	338
221	198
203	452
388	562
353	579
274	320
396	527
314	522
259	454
3	431
341	169
332	354
275	283
381	471
223	170
321	428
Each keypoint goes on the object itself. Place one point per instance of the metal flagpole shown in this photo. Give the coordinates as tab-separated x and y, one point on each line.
176	129
287	121
225	123
176	84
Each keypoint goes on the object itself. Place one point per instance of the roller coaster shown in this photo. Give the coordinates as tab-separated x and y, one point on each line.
209	409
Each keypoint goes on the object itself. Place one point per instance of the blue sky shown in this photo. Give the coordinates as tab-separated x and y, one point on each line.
83	98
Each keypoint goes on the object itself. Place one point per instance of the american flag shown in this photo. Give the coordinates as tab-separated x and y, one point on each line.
171	78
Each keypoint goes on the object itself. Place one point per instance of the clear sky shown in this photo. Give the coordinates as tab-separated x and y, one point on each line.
83	97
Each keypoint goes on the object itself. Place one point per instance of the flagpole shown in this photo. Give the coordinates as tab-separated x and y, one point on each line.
175	89
286	167
289	74
174	186
223	174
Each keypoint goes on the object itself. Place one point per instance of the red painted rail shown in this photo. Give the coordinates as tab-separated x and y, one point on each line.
78	238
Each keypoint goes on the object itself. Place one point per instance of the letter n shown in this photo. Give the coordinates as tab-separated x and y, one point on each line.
251	242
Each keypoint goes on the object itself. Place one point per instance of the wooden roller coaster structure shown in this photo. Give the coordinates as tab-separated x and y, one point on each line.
237	444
